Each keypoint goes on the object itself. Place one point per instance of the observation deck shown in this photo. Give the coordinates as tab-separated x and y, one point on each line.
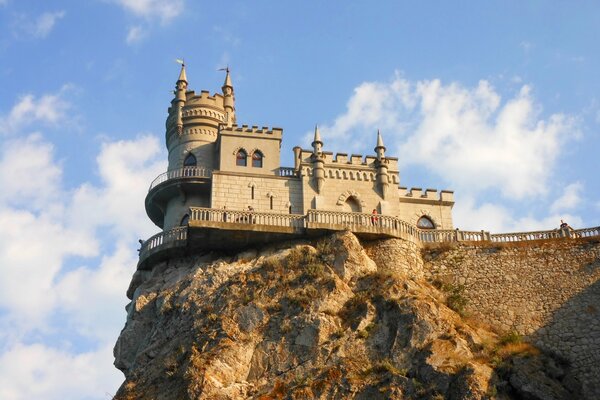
220	229
191	180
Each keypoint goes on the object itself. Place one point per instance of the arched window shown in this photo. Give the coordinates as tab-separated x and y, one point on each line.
351	205
257	159
190	161
425	223
241	158
185	220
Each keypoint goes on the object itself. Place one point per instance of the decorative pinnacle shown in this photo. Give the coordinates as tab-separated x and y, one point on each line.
227	77
379	141
182	76
317	138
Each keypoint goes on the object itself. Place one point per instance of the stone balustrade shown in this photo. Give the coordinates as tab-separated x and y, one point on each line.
323	220
251	218
286	171
171	238
185	172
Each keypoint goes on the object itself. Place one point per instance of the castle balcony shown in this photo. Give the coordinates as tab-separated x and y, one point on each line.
187	180
218	229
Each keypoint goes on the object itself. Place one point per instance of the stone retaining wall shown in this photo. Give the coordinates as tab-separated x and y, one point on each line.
547	290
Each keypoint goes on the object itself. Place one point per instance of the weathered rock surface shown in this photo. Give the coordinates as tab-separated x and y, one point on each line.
319	320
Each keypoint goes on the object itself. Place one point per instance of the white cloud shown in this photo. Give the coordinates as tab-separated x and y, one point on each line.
45	23
135	34
468	136
50	109
570	199
52	282
36	28
496	218
28	176
36	371
163	10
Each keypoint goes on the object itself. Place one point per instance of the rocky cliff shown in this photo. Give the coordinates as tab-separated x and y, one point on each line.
325	319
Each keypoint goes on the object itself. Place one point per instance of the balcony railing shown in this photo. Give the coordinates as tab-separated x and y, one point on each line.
185	172
286	171
361	223
172	238
295	221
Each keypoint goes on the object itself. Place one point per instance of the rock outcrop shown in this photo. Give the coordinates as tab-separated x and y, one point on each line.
317	320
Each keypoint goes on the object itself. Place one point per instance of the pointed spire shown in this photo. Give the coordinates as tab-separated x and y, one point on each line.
317	138
227	78
182	76
317	144
380	148
379	140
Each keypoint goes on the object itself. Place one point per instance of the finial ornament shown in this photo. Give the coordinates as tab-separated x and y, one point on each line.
380	148
182	76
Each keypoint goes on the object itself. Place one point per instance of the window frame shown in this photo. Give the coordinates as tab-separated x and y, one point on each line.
259	160
241	161
429	220
190	156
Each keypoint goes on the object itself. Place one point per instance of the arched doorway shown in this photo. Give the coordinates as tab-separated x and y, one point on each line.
351	205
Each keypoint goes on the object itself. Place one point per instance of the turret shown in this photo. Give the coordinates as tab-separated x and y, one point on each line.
179	100
318	162
228	100
382	166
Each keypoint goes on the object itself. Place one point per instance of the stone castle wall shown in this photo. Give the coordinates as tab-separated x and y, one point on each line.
548	291
234	191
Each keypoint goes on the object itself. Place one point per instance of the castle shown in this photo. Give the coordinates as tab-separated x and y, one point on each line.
219	173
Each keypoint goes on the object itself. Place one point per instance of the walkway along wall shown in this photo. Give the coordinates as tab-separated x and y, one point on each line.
547	290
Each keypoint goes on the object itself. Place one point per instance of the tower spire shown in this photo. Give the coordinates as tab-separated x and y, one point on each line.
380	148
318	161
228	98
381	164
182	75
317	144
180	97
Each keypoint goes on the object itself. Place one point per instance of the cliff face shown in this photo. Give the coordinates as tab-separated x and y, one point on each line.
326	319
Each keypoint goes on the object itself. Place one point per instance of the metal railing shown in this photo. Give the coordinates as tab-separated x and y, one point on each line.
185	172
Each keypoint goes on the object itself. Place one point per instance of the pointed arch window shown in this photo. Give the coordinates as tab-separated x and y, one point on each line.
425	223
185	220
190	161
257	159
241	158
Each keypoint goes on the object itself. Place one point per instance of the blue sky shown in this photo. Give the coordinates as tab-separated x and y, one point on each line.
497	100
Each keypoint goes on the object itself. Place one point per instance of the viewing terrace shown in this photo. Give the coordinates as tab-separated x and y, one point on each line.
225	229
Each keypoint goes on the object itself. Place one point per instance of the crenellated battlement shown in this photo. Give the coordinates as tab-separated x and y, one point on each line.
252	130
344	160
204	98
417	194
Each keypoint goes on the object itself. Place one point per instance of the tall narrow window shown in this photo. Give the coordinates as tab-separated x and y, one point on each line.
241	158
252	192
257	159
189	161
271	198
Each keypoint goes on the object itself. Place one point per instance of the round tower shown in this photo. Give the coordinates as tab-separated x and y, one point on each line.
192	127
193	123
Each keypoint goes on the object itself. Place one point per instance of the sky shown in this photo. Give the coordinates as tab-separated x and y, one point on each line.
497	100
